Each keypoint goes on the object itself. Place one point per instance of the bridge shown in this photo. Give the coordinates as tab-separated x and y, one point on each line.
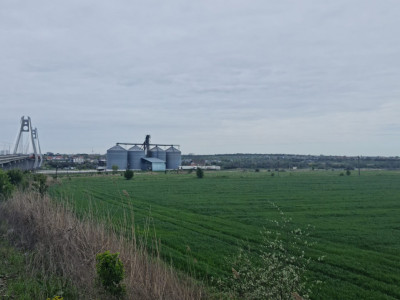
25	156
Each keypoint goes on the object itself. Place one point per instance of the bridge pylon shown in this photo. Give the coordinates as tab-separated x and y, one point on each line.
26	126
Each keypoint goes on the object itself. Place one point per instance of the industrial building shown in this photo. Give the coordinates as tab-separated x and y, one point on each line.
141	157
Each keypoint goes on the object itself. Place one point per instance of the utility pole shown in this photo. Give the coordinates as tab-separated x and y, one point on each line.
278	165
359	173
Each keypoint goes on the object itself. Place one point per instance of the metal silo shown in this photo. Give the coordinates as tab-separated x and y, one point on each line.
117	156
173	158
157	152
135	155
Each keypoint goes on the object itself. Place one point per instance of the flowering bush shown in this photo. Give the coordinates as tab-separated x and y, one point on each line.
277	271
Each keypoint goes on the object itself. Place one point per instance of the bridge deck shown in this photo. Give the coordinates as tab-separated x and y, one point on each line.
5	159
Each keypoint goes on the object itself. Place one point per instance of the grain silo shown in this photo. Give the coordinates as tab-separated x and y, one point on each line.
173	156
117	156
157	152
135	155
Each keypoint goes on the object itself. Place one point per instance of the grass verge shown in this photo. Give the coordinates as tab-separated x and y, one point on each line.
19	281
64	248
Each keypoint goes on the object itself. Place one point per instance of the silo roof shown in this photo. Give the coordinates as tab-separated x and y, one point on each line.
156	148
135	148
117	148
172	149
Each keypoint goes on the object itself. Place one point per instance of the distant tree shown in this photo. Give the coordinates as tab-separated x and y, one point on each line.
348	172
128	174
115	169
199	173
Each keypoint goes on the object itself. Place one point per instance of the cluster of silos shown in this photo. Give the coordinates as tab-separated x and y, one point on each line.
132	158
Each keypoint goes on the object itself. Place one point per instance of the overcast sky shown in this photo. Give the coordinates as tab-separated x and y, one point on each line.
301	77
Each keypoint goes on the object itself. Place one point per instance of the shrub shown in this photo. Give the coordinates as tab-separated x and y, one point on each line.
199	173
110	272
16	176
348	173
257	170
128	174
6	188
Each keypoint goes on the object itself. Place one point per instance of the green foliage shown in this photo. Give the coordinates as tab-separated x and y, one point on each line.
199	173
39	183
114	169
348	173
6	188
110	273
128	174
16	176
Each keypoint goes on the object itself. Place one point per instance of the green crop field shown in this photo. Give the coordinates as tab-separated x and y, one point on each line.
356	220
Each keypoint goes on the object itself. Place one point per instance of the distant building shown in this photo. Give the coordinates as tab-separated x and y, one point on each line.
153	164
194	167
78	160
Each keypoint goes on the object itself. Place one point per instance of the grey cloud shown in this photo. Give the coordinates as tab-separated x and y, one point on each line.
93	72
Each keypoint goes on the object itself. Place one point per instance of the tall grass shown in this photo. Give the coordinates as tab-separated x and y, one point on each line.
67	246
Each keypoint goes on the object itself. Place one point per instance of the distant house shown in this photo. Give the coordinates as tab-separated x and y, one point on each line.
78	160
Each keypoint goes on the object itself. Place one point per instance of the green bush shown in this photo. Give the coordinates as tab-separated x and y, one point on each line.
199	173
348	173
110	272
6	188
16	176
128	174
